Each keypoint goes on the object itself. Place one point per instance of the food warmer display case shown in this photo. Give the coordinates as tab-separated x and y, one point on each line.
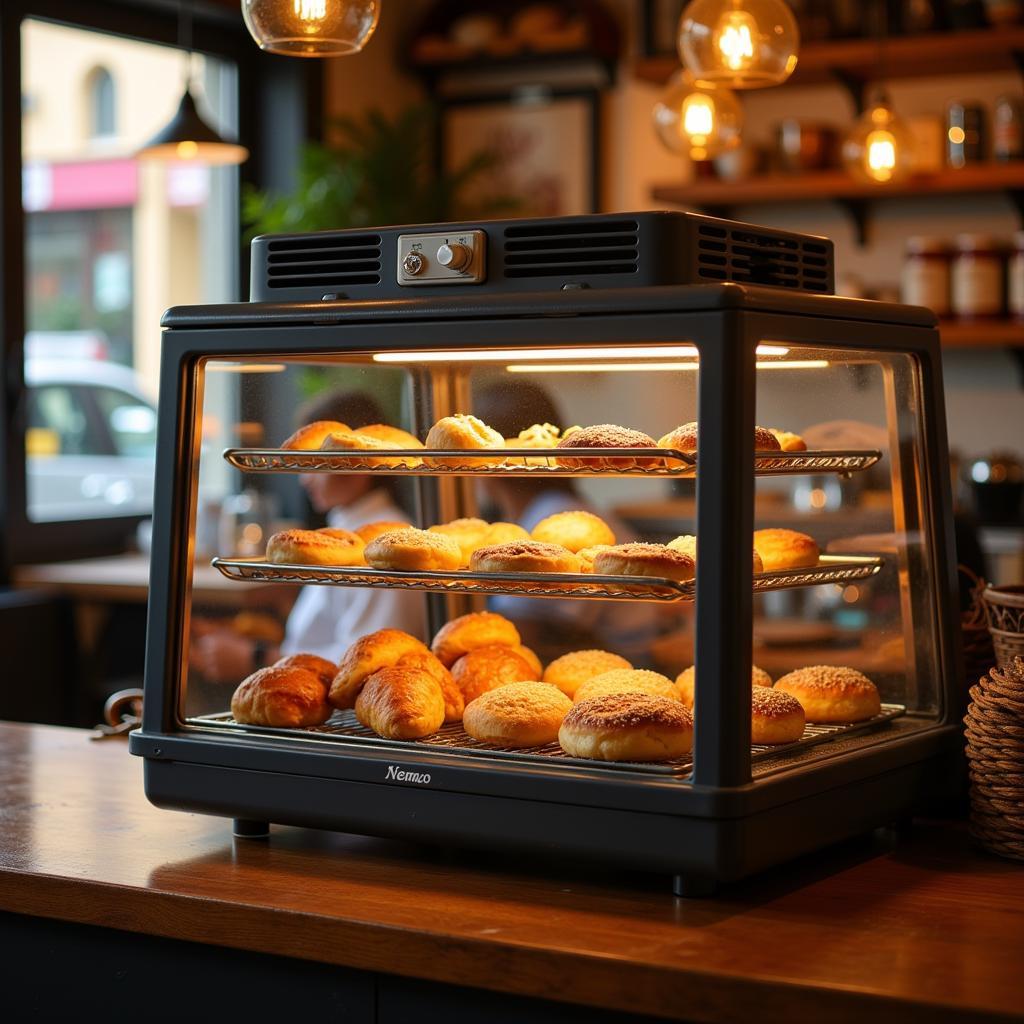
644	321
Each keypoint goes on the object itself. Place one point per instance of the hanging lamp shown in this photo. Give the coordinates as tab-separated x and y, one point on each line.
311	28
697	119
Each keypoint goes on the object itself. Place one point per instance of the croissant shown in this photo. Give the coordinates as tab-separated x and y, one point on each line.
401	704
367	655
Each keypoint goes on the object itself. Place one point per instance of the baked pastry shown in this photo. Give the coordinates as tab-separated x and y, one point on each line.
785	549
644	560
526	714
573	530
775	717
282	696
627	680
502	533
468	632
469	534
587	556
532	659
323	669
401	703
393	437
830	693
258	625
687	544
627	727
486	668
540	435
685	682
315	547
312	435
524	556
367	655
371	531
454	703
789	442
684	439
463	431
354	441
604	435
571	670
413	550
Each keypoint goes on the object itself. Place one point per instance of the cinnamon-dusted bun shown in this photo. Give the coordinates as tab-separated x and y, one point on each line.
687	544
574	530
454	702
627	680
785	549
323	669
571	670
604	435
401	703
524	556
282	696
464	431
684	439
468	632
355	441
469	534
367	655
627	727
486	668
371	531
830	693
312	435
526	714
789	442
644	560
413	550
776	717
686	679
314	547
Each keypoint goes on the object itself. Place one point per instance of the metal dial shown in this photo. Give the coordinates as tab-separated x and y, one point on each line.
454	255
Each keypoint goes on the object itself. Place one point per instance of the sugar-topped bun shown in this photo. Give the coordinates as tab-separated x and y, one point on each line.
644	560
684	439
685	682
540	435
573	530
604	435
323	669
571	670
282	696
312	435
411	550
486	668
627	727
526	714
687	544
367	655
524	556
315	547
776	717
830	693
468	632
785	549
627	680
463	431
469	534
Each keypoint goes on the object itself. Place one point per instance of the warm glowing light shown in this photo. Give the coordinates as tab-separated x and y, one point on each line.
311	28
311	10
881	148
697	119
187	150
607	352
736	33
245	367
791	364
957	135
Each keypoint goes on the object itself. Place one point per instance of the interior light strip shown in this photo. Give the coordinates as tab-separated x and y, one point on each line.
604	352
245	367
791	364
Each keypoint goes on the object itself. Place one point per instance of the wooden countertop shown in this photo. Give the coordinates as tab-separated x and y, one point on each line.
923	929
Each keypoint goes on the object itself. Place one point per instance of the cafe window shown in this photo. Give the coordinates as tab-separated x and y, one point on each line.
102	104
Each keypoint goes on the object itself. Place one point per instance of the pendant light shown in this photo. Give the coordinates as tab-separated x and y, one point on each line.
311	28
697	119
187	137
743	44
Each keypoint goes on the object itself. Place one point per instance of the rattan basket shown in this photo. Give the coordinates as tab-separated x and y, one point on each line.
1004	607
995	753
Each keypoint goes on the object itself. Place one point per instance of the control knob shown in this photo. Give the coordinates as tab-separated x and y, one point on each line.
455	255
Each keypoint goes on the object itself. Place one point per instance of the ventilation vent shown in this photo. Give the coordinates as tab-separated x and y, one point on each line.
576	250
750	257
323	261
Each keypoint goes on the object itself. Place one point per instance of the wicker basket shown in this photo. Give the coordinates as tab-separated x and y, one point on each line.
1004	607
978	654
995	753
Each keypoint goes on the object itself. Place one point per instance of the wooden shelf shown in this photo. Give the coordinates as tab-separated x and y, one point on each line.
981	334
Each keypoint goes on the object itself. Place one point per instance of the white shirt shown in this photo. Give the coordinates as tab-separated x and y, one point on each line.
327	620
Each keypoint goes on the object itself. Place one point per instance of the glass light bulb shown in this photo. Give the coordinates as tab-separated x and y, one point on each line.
697	119
743	44
879	148
311	28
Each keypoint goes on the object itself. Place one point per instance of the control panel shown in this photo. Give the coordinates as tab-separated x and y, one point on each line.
442	259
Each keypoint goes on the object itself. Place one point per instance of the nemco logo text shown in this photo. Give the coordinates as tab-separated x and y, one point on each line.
400	775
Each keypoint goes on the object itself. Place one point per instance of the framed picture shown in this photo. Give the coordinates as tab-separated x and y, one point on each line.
659	26
544	144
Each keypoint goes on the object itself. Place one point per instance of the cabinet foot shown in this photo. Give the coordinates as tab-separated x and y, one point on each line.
693	887
243	828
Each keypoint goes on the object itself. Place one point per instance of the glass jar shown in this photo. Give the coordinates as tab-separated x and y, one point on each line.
1015	278
977	277
1008	129
925	278
965	134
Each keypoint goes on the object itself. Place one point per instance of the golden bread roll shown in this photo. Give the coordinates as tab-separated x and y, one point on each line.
540	435
258	626
686	679
367	655
413	550
463	431
487	668
323	669
627	680
468	632
785	549
312	435
604	435
354	441
684	439
401	703
424	661
314	547
687	544
571	670
531	658
627	727
469	534
573	530
524	556
502	533
789	442
371	531
830	693
644	560
526	714
587	556
393	437
776	717
282	696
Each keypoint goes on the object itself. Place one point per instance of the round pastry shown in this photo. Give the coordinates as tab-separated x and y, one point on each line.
502	533
424	661
830	693
605	435
312	435
684	439
371	531
687	544
469	534
587	556
393	437
644	560
323	669
367	655
532	659
776	717
627	680
463	431
487	668
789	442
411	550
573	530
281	696
354	441
785	549
627	727
468	632
524	556
685	682
401	704
540	435
314	547
571	670
526	714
